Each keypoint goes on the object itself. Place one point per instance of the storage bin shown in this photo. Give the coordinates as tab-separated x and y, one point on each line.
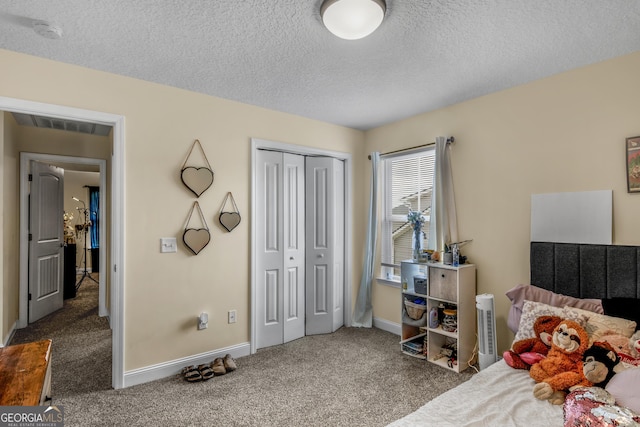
420	284
443	284
415	311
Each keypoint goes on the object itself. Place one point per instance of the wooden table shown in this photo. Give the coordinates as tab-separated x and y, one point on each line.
25	374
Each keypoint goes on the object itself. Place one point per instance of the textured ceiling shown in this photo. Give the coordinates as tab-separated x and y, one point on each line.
277	54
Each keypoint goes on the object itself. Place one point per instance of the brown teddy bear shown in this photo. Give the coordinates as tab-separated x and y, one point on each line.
562	368
528	351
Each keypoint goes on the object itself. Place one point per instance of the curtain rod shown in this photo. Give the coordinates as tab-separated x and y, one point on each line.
449	141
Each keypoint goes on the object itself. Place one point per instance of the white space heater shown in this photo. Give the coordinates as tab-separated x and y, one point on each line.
486	330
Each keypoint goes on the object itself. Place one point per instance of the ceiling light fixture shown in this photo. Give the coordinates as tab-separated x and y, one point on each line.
48	30
352	19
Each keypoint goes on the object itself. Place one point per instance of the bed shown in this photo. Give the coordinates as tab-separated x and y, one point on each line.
579	275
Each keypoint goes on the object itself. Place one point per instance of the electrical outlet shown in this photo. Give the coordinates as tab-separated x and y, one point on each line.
232	316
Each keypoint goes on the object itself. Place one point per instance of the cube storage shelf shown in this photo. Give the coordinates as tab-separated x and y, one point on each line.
449	286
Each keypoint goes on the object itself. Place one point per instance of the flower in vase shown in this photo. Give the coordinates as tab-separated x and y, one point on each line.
416	219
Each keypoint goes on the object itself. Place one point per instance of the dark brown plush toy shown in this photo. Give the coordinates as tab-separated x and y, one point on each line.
526	352
598	363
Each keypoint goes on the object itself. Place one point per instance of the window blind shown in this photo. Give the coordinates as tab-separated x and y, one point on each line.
408	184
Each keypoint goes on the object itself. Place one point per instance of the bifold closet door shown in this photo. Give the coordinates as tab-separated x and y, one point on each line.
325	244
280	261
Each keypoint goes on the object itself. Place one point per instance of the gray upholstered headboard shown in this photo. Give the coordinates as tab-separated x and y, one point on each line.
586	271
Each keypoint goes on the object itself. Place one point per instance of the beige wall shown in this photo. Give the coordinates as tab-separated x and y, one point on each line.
10	226
3	302
62	143
563	133
164	293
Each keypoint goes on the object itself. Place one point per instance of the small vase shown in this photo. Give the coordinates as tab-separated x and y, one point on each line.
416	245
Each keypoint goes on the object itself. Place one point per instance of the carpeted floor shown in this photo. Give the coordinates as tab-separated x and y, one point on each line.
354	377
81	350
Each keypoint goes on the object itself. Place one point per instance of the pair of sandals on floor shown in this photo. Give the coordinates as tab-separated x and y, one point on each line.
219	366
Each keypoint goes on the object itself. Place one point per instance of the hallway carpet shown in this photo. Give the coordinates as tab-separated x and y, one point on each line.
81	350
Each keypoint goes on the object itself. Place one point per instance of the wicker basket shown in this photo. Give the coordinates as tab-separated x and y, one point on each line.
415	311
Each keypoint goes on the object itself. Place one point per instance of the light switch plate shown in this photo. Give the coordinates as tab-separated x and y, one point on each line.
168	244
203	321
232	316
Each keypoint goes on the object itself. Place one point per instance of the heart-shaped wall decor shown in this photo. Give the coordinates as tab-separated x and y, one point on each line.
229	220
196	239
197	179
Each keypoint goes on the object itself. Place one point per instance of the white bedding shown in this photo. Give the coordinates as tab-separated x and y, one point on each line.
497	396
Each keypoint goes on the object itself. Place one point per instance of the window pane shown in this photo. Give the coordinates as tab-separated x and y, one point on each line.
408	185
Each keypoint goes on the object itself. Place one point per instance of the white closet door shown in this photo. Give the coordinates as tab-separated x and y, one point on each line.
280	248
325	244
294	247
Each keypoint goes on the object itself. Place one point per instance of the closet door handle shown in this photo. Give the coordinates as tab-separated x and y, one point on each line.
290	258
320	255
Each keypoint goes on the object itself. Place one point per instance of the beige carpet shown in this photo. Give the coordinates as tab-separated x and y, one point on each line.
354	377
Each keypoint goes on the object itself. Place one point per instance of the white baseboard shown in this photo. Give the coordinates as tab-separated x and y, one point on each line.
386	325
12	331
173	367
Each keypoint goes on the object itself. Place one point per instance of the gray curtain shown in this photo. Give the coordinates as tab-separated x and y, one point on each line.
363	310
443	226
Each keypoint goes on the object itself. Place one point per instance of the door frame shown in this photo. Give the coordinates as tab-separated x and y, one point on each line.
25	159
257	144
117	218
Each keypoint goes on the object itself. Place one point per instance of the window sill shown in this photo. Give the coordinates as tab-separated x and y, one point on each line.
388	282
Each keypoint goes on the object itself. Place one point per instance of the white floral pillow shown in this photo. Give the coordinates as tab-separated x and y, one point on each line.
600	324
531	310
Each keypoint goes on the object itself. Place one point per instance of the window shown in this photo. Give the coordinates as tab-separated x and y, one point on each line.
407	183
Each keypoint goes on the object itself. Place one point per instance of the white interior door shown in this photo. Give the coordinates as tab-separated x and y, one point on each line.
46	240
325	245
280	248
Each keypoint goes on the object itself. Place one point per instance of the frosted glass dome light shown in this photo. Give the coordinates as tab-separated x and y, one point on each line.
352	19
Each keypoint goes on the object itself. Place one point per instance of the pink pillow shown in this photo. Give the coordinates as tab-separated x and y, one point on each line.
520	293
624	388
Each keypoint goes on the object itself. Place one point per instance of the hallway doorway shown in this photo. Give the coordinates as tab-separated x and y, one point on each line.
67	163
115	263
80	328
78	172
